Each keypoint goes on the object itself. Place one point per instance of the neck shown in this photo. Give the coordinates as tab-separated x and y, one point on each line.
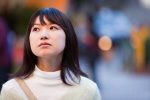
49	64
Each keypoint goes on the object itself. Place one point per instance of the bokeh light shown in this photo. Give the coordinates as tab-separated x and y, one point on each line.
105	43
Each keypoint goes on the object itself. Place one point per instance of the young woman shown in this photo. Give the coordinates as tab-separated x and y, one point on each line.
50	69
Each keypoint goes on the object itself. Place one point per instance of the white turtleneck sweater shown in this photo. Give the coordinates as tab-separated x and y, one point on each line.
49	86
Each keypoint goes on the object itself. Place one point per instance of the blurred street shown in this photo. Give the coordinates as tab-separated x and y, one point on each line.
124	85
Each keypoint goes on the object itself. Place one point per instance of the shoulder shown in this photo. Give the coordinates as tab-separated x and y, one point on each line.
10	84
88	83
6	91
91	88
12	91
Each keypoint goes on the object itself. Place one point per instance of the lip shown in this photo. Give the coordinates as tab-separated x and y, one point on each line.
44	44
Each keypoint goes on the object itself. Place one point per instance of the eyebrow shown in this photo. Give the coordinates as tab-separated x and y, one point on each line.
36	24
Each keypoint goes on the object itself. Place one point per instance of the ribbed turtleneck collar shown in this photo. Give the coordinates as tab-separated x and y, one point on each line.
46	75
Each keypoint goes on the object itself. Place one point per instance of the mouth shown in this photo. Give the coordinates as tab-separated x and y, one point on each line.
44	44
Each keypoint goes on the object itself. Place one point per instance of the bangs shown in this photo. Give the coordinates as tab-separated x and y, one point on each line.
53	16
41	19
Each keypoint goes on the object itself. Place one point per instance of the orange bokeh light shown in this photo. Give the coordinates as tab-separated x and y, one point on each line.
105	43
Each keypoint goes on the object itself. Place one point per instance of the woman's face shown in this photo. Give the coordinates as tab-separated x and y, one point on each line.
47	40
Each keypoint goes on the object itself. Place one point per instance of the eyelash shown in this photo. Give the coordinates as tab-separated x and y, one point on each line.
35	29
53	28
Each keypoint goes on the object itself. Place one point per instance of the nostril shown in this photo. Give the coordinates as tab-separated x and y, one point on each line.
43	38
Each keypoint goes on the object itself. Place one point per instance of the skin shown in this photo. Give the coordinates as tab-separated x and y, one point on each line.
47	43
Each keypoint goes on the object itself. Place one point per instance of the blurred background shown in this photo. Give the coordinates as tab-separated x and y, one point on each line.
113	35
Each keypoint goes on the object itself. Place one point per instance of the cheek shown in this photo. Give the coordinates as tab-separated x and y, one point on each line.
32	43
61	41
62	44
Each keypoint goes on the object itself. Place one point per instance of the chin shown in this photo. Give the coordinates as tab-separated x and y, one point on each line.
45	54
48	53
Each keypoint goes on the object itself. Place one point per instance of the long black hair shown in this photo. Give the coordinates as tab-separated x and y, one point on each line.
70	62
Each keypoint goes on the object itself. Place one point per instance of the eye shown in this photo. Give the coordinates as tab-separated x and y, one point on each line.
35	29
54	28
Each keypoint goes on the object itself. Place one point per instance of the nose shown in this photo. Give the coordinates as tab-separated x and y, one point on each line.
44	35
